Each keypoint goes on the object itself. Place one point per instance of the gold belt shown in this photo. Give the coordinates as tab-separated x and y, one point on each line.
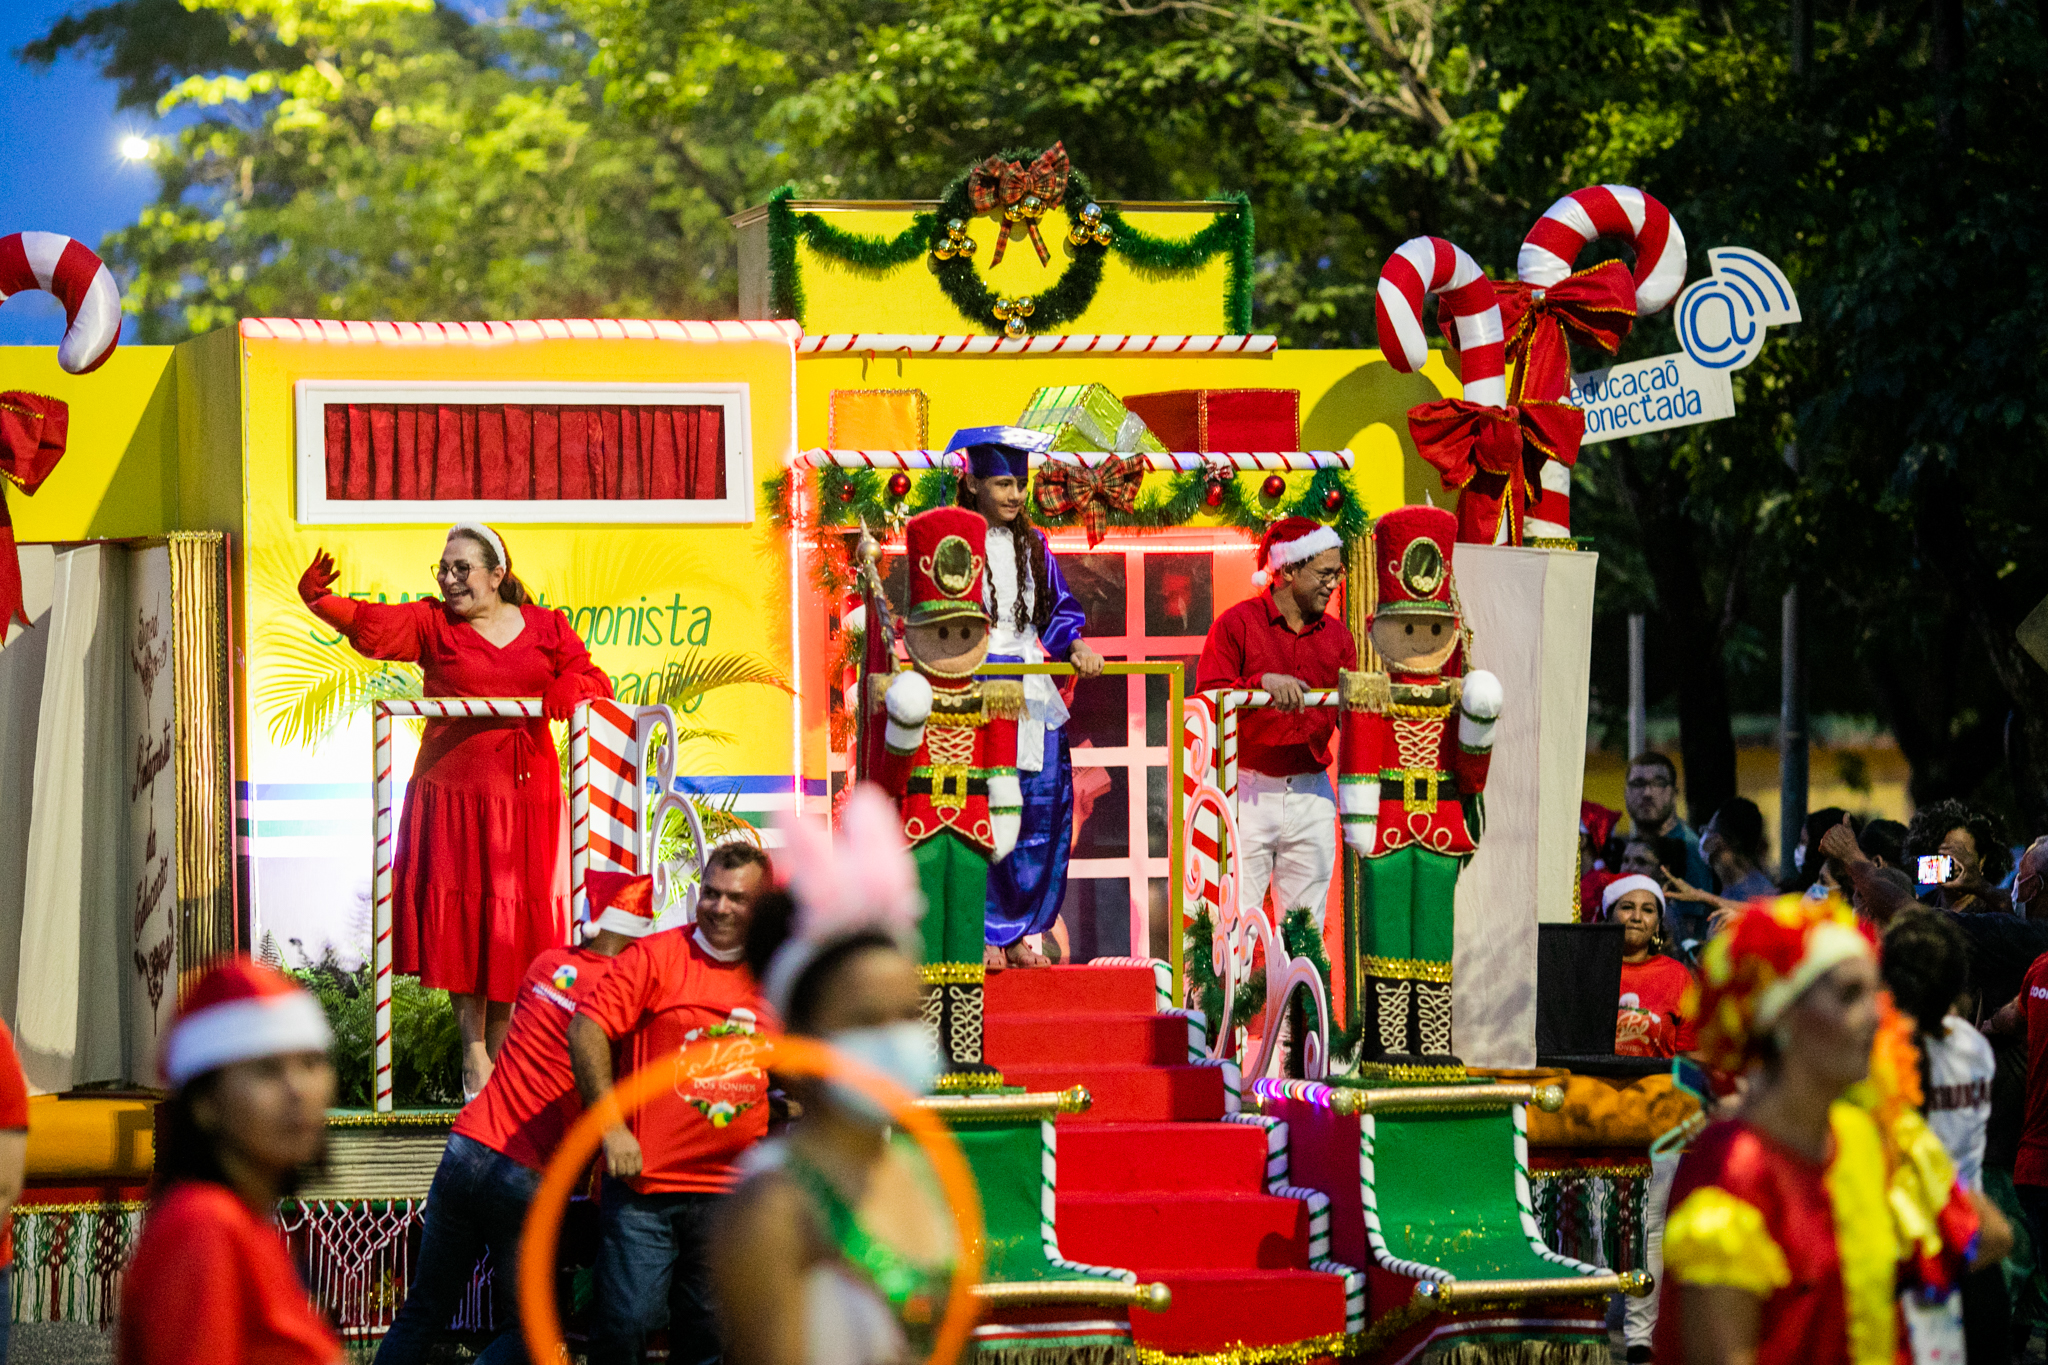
949	786
1419	786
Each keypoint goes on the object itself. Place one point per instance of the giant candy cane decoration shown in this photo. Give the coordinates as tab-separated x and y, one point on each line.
1468	314
80	281
1548	256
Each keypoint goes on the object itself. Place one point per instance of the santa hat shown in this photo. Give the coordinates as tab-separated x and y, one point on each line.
621	902
239	1011
1291	540
1598	821
1621	886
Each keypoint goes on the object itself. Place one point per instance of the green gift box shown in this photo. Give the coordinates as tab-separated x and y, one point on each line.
1087	417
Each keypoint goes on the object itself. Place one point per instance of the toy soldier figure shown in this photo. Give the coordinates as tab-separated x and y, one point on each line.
950	759
1412	761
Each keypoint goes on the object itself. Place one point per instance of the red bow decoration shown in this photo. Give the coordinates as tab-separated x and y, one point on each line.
1494	455
999	186
1065	488
32	433
1597	304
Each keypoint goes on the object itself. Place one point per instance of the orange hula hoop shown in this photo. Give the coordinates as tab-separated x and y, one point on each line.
542	1325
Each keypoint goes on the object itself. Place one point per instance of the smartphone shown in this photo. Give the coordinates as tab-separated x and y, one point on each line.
1936	868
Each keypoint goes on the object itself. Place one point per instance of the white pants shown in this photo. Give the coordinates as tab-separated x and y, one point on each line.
1639	1316
1288	828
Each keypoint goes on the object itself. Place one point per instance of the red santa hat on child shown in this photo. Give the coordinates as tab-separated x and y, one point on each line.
621	902
1290	540
239	1011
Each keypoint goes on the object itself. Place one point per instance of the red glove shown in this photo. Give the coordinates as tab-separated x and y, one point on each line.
561	696
318	579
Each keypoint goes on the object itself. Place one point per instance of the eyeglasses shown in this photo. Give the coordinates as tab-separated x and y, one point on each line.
1323	575
1648	784
460	570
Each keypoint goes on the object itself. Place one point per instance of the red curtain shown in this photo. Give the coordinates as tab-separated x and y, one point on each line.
377	451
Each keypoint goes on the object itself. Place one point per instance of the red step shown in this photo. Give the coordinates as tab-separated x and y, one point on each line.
1069	990
1165	1158
1191	1231
1214	1309
1124	1093
1027	1039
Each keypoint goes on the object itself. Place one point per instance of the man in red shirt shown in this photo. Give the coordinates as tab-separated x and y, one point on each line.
504	1137
2029	1012
1285	642
666	1167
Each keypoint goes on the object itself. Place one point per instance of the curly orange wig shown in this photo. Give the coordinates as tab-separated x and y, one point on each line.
1765	958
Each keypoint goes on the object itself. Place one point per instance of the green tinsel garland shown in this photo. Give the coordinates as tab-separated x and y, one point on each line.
860	497
1302	935
1069	297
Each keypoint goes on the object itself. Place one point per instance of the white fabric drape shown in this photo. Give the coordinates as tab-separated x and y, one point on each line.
21	700
70	1008
1531	613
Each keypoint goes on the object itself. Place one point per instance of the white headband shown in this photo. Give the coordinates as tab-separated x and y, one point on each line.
1621	886
476	530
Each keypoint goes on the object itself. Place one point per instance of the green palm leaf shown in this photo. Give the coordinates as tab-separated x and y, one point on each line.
308	690
685	679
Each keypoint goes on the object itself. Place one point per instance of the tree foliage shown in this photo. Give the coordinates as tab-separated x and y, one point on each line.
390	158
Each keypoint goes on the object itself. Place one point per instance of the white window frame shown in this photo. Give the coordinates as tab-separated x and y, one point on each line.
315	508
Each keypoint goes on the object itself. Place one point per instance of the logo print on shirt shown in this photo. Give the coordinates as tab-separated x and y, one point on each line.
565	976
729	1081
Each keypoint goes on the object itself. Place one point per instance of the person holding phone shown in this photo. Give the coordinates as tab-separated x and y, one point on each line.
1976	853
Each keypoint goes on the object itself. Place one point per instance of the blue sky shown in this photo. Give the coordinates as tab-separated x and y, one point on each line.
59	170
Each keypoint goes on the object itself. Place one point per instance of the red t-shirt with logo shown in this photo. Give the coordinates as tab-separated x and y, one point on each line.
531	1098
2032	1166
13	1119
1648	1023
662	995
212	1284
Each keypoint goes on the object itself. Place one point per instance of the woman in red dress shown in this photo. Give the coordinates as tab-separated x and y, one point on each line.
480	878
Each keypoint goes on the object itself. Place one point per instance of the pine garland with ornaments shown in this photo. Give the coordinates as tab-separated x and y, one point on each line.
884	499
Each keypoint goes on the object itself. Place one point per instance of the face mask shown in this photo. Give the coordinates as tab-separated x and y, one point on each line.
902	1051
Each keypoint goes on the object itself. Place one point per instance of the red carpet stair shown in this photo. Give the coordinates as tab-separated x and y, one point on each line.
1161	1176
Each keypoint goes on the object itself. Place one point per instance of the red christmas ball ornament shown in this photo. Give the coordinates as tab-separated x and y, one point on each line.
1274	486
1213	495
846	492
1333	499
899	485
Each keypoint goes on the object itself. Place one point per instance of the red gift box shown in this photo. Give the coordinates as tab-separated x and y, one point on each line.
1222	419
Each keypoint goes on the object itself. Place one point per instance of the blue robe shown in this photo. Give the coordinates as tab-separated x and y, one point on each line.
1025	889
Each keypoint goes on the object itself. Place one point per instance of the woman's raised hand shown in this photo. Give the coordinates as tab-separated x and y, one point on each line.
318	579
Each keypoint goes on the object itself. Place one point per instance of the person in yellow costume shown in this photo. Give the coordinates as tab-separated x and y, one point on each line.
1821	1224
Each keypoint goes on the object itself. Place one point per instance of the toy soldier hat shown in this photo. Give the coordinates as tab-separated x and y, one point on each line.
993	452
948	549
1412	554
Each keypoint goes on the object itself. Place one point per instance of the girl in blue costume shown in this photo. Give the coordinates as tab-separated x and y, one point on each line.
1036	619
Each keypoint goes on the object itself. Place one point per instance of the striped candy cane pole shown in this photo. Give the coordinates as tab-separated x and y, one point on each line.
1420	267
79	280
380	892
579	816
1548	255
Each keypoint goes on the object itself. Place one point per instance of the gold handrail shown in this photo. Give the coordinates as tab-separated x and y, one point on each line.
1447	1295
1154	1298
1039	1104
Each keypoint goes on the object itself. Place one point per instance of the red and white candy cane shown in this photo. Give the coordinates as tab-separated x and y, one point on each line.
1549	253
1467	314
80	281
1623	211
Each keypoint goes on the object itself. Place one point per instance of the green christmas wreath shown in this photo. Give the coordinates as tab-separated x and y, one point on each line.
1069	297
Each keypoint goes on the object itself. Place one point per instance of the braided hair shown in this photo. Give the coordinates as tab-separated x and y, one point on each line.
1029	557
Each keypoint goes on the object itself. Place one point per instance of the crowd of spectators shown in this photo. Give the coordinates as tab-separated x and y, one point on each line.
1963	920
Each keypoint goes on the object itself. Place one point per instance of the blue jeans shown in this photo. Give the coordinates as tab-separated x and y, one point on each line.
651	1264
478	1201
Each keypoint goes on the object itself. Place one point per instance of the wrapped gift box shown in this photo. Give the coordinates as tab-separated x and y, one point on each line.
1222	419
1087	417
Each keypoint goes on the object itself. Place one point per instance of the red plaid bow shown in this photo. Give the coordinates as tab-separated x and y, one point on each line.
1598	304
32	433
1065	488
999	186
1495	456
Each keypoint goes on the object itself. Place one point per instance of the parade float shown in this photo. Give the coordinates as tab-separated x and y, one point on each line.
1194	1154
